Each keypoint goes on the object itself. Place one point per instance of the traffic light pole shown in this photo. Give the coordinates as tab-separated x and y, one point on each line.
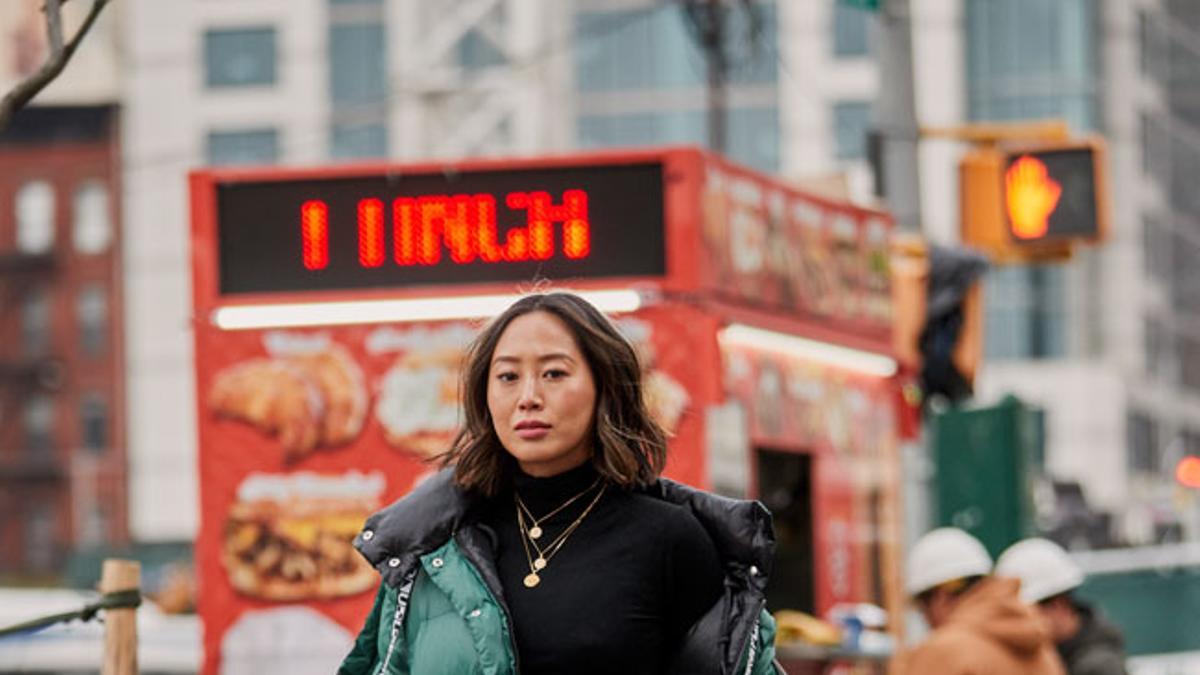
896	115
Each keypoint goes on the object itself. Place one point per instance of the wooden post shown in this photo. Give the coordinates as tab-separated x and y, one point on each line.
120	625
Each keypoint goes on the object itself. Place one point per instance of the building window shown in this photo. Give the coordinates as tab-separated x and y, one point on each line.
477	51
1156	150
1184	274
851	122
1189	361
1142	439
358	86
850	31
35	322
754	137
1155	49
250	146
358	141
1185	159
93	227
39	423
1156	249
1191	442
1029	59
94	529
356	63
35	217
1026	312
1048	339
753	132
93	422
41	524
239	57
1158	348
652	47
636	49
91	307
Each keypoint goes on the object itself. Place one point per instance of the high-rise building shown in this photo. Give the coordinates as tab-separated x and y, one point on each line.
1102	343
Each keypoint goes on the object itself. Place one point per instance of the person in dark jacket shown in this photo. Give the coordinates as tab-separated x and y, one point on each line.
549	543
1088	644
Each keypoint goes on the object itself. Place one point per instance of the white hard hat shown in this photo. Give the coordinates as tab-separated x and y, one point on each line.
945	554
1044	568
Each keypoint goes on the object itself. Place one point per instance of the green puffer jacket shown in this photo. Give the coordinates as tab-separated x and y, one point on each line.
440	611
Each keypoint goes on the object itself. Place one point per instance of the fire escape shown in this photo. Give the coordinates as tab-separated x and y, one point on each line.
24	374
477	77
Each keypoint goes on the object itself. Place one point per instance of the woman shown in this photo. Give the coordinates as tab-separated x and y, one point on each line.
550	544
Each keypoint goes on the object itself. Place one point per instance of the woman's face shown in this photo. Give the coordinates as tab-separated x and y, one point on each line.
541	395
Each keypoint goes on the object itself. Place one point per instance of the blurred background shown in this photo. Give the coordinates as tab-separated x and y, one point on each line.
1071	408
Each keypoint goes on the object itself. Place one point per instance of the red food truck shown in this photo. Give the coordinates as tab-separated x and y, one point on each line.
332	305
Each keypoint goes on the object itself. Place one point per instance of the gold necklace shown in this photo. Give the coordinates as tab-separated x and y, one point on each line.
536	531
524	516
538	564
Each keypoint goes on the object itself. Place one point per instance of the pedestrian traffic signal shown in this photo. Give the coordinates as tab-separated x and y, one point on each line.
1187	472
1054	193
1034	203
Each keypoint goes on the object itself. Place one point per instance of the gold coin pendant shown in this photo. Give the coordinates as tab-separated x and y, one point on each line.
532	580
540	563
535	532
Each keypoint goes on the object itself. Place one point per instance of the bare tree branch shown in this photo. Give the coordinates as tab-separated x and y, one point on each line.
53	12
56	61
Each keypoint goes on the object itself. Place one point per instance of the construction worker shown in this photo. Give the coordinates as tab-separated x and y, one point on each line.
1088	644
980	626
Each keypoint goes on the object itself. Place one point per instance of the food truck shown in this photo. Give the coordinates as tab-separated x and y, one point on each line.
332	306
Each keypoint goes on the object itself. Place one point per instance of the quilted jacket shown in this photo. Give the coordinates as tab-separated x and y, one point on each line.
440	610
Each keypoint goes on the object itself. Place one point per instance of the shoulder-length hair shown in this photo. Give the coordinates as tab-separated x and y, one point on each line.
629	448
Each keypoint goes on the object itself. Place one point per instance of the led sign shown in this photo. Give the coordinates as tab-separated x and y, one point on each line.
446	228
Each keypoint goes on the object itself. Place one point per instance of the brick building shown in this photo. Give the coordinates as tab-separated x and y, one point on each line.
62	437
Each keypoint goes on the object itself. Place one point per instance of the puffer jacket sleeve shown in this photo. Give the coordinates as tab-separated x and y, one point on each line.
363	656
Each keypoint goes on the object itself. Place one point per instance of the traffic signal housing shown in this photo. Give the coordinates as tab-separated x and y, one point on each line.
1032	203
938	326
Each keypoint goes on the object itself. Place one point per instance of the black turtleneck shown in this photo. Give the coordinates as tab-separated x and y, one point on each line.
621	593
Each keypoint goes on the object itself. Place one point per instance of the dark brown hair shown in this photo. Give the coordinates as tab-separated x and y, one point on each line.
628	447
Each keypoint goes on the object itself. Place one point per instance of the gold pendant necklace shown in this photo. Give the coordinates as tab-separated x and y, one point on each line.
536	531
529	543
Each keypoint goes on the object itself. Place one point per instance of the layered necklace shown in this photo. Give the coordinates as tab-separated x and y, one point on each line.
537	554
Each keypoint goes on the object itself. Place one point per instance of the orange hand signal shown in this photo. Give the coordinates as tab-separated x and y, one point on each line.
1031	197
1187	472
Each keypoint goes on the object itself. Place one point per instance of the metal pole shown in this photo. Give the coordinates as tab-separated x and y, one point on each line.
896	116
706	20
718	68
